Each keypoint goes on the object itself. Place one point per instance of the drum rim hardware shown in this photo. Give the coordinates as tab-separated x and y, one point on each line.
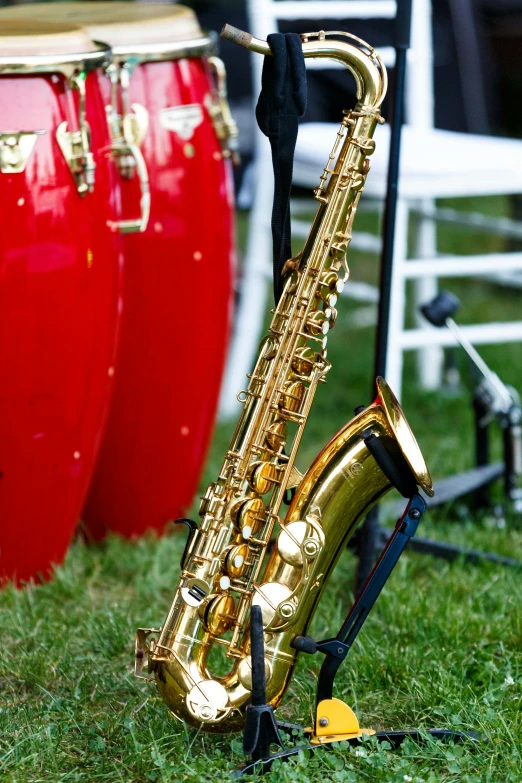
67	64
76	144
125	151
15	149
127	132
135	54
219	110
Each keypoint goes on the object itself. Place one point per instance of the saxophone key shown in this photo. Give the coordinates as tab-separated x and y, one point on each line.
206	700
268	348
195	591
244	672
218	613
293	280
329	286
263	476
358	180
269	596
332	300
205	500
276	434
234	560
297	542
221	541
338	250
366	145
248	515
291	396
303	361
317	323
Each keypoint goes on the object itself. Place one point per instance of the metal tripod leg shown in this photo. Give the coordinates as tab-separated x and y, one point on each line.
395	738
450	552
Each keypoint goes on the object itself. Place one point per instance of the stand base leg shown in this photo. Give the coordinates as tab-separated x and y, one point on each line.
451	552
395	738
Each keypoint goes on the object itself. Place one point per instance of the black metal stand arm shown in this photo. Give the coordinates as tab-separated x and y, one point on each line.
260	726
337	649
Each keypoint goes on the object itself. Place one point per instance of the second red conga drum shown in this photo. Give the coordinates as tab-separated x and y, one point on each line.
60	277
178	273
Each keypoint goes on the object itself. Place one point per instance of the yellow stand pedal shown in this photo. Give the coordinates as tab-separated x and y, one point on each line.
335	721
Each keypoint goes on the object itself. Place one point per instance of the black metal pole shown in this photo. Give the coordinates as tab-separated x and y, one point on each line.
402	37
368	539
481	410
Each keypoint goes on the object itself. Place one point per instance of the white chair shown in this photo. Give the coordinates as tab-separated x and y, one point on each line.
434	164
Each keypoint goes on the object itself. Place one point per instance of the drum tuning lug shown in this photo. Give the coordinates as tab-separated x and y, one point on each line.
219	111
75	148
135	124
130	127
126	130
15	149
76	145
131	152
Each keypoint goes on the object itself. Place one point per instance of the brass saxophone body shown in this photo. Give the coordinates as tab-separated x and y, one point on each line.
225	567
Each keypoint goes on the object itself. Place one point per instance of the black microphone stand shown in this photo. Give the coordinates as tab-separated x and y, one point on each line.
368	539
371	538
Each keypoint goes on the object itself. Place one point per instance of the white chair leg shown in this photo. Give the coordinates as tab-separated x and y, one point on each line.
429	359
254	289
394	358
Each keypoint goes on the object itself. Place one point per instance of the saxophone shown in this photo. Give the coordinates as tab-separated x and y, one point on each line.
200	658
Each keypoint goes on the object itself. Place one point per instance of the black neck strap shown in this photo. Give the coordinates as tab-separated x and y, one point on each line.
281	102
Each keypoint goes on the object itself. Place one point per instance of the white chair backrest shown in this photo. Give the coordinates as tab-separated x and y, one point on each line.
264	16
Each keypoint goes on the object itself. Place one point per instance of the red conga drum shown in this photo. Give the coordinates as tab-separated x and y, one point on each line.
60	287
178	273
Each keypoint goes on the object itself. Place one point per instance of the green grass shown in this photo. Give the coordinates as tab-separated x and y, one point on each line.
441	648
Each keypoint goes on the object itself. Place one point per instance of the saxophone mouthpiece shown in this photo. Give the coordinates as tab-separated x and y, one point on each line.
246	40
238	37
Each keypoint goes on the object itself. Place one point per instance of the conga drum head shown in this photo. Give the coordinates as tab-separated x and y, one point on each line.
60	289
119	24
30	39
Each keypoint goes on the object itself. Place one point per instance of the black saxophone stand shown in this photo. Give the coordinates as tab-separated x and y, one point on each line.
334	720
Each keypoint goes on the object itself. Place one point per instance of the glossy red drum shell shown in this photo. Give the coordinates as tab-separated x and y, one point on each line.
176	318
60	277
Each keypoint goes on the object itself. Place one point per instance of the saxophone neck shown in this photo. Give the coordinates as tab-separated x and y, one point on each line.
359	57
